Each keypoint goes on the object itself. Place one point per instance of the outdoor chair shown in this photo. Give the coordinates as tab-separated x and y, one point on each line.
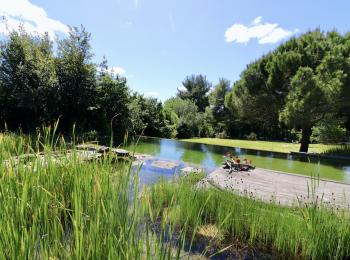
235	167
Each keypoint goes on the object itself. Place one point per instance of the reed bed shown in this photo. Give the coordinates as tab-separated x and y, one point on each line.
342	150
309	231
69	208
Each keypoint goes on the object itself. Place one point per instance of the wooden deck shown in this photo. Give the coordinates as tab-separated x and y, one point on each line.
282	188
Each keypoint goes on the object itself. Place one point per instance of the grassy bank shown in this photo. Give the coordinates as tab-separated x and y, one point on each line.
281	147
307	232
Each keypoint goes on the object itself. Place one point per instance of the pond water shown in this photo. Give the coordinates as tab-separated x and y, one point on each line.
150	173
211	156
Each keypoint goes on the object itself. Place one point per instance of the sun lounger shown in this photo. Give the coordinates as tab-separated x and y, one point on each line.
235	167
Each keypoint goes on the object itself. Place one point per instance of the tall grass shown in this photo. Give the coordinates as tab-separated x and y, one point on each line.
68	208
343	150
309	231
53	204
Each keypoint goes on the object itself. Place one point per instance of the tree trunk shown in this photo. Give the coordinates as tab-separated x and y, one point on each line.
305	139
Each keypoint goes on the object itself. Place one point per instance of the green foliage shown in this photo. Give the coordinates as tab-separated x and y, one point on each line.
28	80
112	105
306	103
38	87
186	116
205	123
310	231
252	136
57	206
188	121
222	116
196	90
329	131
147	116
76	76
303	81
343	150
298	84
171	121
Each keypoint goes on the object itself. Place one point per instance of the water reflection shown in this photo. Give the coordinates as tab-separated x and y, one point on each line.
211	156
347	174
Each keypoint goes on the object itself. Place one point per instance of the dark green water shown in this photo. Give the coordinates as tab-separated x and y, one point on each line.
211	156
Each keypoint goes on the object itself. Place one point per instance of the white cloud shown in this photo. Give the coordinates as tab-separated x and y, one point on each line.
263	32
257	20
32	17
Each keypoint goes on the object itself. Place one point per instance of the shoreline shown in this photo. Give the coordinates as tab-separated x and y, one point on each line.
282	188
294	153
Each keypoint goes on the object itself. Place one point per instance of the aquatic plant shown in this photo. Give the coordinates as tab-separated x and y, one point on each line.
309	231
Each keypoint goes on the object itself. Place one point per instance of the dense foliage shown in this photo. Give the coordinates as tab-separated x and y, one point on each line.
38	86
303	83
300	89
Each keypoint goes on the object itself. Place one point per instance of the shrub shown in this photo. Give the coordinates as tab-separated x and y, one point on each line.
222	135
330	132
252	136
90	135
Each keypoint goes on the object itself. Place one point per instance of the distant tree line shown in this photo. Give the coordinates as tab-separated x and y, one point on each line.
38	85
300	91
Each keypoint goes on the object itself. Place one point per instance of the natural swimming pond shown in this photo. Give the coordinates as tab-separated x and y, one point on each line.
211	156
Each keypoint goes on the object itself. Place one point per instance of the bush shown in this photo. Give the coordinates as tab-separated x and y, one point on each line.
330	132
252	136
90	136
222	135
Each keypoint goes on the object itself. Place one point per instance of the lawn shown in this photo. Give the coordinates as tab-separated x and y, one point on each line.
281	147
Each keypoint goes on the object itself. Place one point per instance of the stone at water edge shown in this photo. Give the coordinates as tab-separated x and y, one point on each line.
120	152
187	170
164	164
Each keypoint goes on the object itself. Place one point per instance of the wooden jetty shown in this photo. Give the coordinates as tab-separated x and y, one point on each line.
281	188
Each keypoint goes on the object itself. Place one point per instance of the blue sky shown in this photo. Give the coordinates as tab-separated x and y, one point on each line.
156	44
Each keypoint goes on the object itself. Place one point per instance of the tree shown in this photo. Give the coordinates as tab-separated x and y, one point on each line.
147	116
112	105
306	104
28	80
220	113
186	112
196	90
261	92
205	123
77	78
171	121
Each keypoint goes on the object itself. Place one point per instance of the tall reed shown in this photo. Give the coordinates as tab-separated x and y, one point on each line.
54	204
308	231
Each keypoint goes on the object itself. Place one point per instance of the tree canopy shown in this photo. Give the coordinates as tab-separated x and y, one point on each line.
302	85
38	86
295	85
196	88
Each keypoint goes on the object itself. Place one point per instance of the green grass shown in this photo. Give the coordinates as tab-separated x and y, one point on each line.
72	209
307	232
281	147
343	150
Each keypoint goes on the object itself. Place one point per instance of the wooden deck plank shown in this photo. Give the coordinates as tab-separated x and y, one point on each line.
282	187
